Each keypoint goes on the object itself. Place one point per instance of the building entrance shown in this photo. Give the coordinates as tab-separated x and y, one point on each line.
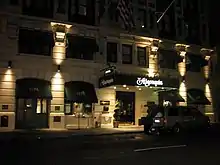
32	113
126	102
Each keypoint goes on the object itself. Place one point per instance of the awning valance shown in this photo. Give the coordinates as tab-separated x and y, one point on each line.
137	80
80	92
172	95
33	88
197	96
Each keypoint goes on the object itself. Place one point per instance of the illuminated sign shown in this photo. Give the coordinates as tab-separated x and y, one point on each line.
146	82
106	82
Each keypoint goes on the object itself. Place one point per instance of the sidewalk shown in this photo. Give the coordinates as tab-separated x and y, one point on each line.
47	133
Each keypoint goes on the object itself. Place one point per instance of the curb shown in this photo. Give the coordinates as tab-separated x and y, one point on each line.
42	136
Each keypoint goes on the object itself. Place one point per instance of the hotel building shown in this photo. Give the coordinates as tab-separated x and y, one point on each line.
71	73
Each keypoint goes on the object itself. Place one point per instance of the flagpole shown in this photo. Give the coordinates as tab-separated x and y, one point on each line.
165	11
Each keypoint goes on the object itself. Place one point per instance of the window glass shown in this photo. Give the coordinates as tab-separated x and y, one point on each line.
141	54
173	111
68	108
112	52
38	106
126	54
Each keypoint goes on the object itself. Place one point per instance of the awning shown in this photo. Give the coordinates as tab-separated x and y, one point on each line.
137	80
172	95
80	92
33	88
197	96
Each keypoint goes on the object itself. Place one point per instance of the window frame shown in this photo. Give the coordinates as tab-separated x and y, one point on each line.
138	56
109	53
124	54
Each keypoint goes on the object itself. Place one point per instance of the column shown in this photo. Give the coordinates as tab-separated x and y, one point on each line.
153	58
7	98
57	117
181	49
207	90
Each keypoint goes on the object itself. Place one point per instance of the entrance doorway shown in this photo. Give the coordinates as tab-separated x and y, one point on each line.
32	113
127	106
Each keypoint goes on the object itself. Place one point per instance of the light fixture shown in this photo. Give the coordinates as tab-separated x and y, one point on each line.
142	26
124	86
139	89
58	68
114	87
9	64
127	88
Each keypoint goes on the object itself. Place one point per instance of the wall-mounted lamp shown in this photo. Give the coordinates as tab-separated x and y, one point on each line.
58	68
9	64
183	79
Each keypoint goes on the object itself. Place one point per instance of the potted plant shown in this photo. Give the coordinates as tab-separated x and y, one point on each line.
116	114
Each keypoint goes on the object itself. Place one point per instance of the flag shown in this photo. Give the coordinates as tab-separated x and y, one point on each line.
125	11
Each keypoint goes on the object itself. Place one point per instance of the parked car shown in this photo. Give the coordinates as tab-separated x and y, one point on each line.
175	119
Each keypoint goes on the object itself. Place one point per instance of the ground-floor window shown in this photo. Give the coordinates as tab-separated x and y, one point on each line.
78	108
32	112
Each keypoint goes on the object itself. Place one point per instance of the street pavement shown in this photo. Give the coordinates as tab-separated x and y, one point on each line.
191	149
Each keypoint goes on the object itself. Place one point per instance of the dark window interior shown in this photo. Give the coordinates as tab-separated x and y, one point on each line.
126	54
35	42
112	52
173	111
82	11
141	54
14	2
38	8
80	47
168	59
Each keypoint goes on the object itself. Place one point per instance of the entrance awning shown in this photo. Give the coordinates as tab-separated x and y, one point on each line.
172	95
80	92
197	96
33	88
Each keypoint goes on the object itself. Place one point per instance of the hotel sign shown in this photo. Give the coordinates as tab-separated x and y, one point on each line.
106	82
148	82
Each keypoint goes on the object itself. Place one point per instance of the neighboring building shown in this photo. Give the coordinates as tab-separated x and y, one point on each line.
52	71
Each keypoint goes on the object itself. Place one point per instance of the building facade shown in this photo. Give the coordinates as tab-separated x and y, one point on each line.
70	74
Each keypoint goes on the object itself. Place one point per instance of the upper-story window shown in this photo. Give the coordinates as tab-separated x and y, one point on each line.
142	56
38	8
194	63
14	2
152	19
112	52
113	13
61	6
35	42
126	54
168	59
80	47
179	26
142	19
82	11
142	2
204	32
82	7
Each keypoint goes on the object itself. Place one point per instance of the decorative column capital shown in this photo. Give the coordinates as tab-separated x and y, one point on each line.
60	31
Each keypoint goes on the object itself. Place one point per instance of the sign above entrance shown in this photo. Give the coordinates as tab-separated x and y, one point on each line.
148	82
137	80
